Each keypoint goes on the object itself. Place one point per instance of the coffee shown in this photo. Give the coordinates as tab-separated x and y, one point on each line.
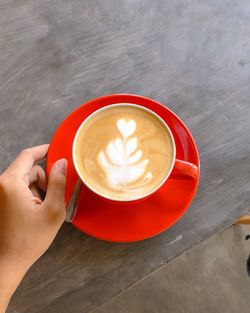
123	152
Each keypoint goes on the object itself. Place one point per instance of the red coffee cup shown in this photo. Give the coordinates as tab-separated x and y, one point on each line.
178	170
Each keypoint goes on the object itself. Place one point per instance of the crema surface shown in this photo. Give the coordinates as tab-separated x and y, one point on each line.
123	152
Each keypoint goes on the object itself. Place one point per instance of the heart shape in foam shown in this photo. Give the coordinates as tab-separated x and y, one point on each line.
126	128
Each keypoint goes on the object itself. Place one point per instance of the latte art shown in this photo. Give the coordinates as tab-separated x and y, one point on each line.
123	152
122	161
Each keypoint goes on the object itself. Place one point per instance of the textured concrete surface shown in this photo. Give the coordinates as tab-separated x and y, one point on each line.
211	278
190	55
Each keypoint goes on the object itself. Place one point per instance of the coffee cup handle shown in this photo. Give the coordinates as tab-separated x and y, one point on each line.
183	169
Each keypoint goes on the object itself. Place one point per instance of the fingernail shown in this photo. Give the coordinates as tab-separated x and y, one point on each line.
61	165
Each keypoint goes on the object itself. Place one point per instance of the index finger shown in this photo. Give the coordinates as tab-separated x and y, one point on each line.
26	159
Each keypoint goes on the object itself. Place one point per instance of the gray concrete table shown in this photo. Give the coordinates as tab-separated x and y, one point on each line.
193	56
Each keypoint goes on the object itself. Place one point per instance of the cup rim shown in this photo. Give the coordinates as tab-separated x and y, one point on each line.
116	105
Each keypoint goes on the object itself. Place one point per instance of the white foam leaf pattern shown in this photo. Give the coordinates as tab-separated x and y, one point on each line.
121	160
115	153
135	158
131	145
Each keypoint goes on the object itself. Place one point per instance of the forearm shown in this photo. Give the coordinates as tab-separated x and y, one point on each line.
6	293
10	277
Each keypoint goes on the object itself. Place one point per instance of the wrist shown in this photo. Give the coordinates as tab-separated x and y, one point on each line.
13	265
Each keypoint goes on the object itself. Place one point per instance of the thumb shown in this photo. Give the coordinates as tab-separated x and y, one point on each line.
55	196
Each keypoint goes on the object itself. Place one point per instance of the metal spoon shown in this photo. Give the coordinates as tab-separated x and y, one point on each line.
73	202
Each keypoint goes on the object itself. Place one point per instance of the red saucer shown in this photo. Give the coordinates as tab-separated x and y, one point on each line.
130	222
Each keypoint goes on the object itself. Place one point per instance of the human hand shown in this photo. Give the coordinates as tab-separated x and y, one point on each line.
28	224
